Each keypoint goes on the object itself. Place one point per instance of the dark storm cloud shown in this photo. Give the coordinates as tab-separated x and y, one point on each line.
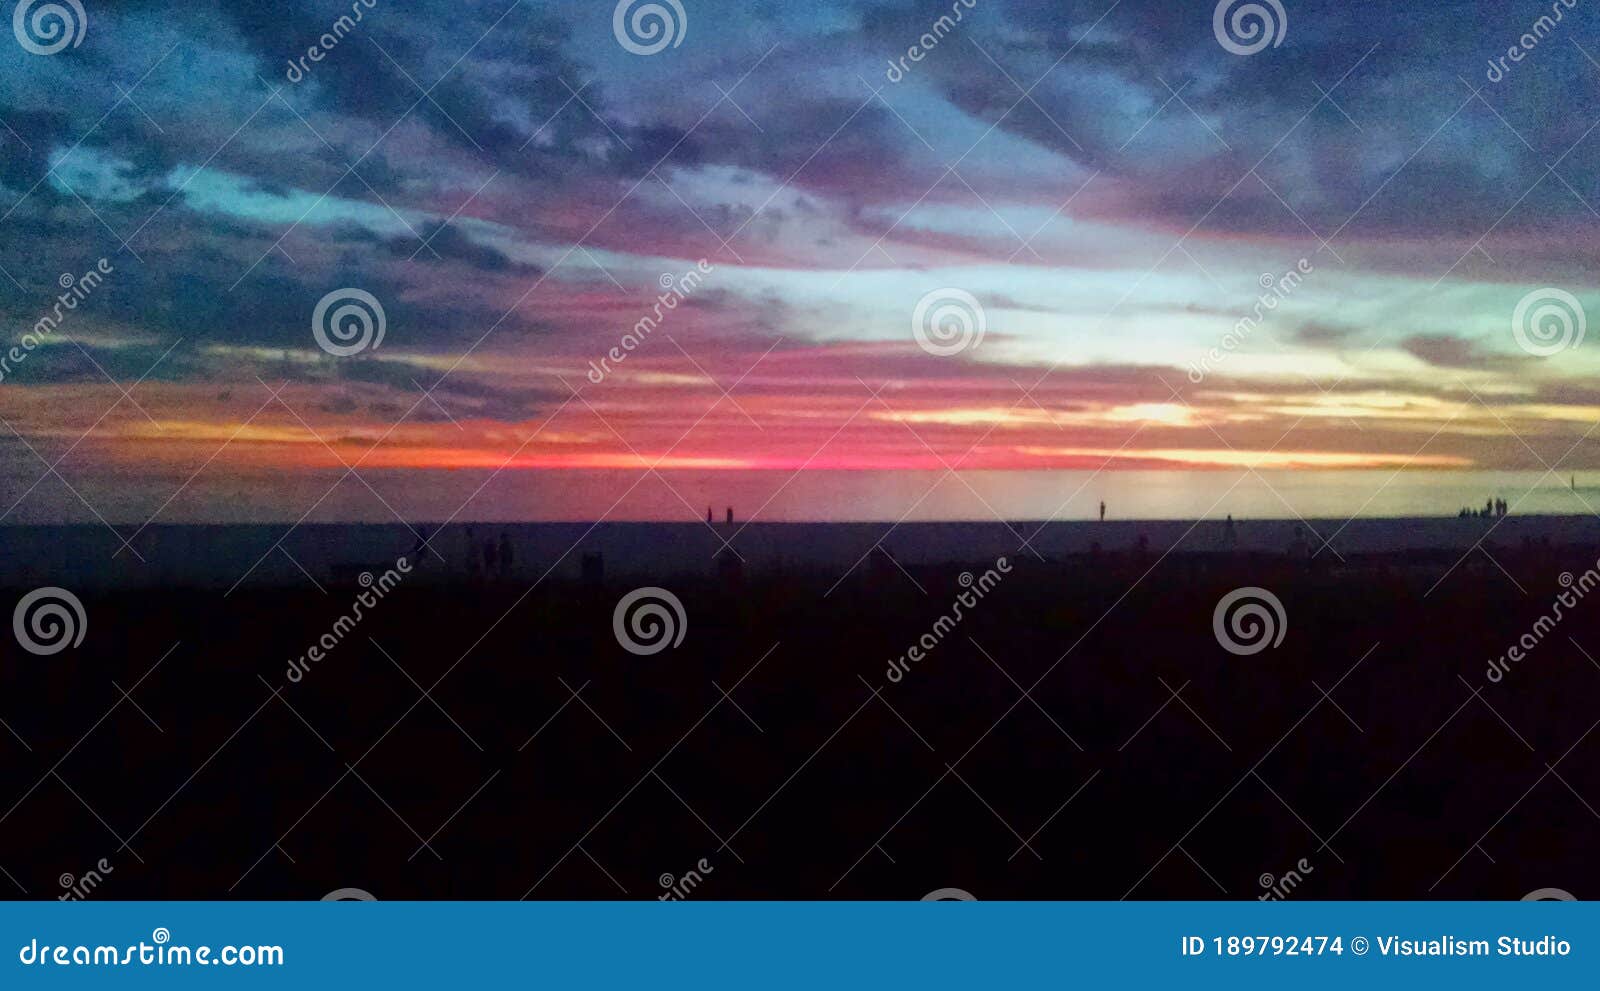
539	99
1405	77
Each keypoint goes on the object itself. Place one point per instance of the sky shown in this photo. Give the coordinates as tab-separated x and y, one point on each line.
421	237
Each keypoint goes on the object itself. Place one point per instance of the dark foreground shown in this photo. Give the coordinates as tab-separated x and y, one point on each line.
489	741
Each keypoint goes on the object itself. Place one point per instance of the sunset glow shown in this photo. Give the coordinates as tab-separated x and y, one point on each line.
717	257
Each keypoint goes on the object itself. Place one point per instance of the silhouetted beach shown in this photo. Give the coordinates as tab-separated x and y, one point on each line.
1073	727
281	556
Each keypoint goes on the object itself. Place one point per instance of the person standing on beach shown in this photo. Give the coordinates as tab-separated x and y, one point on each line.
1102	510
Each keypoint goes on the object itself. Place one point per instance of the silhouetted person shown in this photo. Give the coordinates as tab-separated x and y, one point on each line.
730	516
708	516
1102	510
